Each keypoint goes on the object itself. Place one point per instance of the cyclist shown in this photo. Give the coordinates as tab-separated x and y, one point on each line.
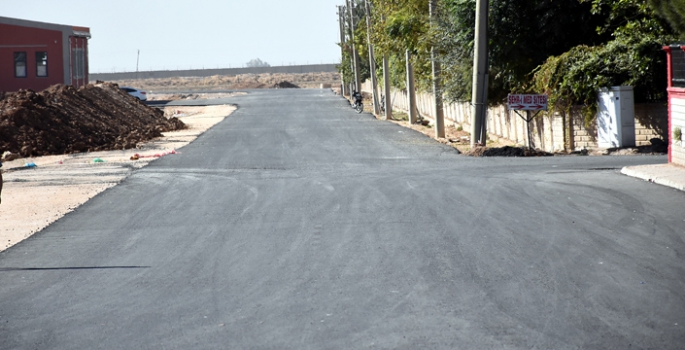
357	97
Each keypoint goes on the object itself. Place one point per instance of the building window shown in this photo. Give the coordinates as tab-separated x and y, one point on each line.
20	64
41	64
677	66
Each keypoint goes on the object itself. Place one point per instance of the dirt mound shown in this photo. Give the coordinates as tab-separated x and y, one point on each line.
233	82
506	151
63	119
285	85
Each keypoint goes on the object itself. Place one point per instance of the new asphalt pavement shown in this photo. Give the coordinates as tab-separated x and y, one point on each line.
297	223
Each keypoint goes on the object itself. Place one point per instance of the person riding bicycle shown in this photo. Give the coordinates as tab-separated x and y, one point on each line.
357	97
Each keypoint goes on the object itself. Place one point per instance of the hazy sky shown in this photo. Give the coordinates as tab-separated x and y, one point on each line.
194	34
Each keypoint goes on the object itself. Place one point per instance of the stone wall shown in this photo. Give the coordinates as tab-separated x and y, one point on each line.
548	131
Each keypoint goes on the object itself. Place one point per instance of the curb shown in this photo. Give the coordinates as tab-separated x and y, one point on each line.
657	177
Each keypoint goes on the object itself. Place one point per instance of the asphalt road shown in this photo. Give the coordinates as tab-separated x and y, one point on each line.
297	223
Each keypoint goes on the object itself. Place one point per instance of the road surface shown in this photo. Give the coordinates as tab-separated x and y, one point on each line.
297	223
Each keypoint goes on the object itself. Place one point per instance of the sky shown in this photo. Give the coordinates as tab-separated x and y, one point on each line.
194	34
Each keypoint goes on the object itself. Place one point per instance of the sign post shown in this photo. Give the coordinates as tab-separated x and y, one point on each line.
528	103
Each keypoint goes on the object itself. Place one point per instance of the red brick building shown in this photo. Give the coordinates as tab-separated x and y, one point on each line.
35	55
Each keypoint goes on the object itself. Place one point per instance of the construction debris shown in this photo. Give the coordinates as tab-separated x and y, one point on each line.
506	151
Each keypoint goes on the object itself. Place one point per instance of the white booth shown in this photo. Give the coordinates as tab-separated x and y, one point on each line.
616	117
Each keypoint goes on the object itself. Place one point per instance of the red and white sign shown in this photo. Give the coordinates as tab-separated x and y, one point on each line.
527	102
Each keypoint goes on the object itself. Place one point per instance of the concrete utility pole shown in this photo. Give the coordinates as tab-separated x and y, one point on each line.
479	92
137	62
437	89
411	90
341	20
372	60
355	57
386	87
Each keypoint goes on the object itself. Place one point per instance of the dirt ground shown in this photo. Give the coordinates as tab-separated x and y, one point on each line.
235	82
36	196
190	96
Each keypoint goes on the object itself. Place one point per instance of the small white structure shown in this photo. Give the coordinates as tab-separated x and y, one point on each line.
616	117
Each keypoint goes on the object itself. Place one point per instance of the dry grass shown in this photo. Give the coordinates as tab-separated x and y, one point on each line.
235	82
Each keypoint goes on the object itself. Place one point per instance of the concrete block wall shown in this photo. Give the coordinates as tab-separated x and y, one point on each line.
651	121
643	134
549	131
583	137
558	132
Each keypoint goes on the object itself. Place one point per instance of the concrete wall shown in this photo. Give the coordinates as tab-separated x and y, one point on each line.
677	120
312	68
555	132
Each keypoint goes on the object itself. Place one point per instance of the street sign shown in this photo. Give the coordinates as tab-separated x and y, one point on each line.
527	102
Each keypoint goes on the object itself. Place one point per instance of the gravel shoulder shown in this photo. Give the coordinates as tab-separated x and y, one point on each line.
35	197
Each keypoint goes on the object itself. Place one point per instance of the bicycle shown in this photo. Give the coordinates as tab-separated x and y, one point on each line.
358	105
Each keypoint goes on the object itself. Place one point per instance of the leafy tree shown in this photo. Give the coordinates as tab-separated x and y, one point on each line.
256	63
358	40
397	26
632	57
522	34
568	49
673	11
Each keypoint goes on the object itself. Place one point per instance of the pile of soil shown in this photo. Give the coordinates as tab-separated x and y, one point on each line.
506	151
63	119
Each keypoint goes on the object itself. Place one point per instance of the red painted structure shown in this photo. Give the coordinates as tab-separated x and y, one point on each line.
36	55
674	92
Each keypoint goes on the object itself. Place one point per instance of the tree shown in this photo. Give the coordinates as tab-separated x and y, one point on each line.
522	34
568	49
673	11
358	39
633	56
256	63
398	26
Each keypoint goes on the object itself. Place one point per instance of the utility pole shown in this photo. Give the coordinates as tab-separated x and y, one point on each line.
386	87
355	57
437	89
479	92
350	43
372	60
341	20
137	62
411	90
